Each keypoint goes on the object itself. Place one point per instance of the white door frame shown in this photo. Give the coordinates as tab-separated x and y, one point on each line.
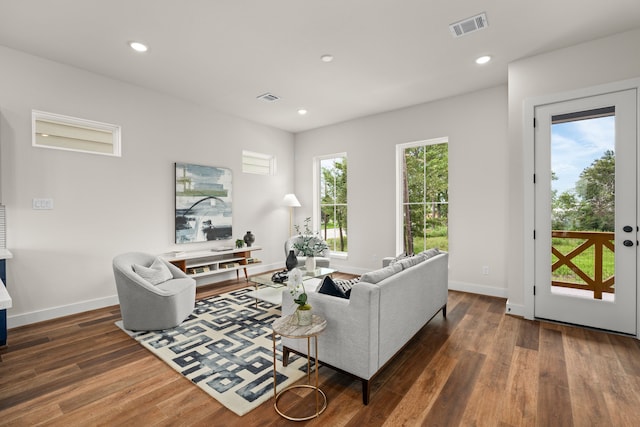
528	170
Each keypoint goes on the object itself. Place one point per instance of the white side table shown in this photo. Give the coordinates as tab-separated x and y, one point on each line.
288	327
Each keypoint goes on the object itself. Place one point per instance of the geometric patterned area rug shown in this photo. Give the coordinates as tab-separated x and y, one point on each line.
225	348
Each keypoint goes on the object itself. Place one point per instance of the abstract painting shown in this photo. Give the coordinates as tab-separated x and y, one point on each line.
203	203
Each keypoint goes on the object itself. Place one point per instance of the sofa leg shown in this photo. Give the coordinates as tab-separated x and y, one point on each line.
365	392
444	311
285	356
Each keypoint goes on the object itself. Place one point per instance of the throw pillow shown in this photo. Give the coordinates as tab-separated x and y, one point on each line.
156	273
430	253
346	285
377	276
400	257
329	287
411	261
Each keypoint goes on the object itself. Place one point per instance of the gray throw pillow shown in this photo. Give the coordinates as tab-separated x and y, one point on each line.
377	276
411	261
155	274
430	253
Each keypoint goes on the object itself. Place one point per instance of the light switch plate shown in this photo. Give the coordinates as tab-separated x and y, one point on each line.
42	204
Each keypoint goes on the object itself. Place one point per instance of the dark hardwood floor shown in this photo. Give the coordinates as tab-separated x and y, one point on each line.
478	367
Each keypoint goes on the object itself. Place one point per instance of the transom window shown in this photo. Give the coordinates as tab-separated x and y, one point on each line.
73	134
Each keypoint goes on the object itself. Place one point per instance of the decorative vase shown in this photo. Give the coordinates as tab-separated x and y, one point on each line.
249	238
310	264
291	261
304	317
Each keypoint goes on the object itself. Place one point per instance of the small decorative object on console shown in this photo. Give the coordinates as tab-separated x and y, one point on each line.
239	243
249	238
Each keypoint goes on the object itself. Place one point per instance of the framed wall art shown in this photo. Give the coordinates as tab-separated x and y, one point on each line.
203	203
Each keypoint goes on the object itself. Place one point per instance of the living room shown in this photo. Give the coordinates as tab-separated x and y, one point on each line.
104	205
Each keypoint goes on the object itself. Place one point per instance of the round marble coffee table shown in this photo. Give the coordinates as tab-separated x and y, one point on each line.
288	327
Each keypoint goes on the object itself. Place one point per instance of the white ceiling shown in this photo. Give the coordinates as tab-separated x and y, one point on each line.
388	54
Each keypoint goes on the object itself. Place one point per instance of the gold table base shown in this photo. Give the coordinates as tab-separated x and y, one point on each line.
285	327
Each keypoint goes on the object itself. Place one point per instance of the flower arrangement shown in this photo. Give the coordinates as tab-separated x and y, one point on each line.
309	244
296	289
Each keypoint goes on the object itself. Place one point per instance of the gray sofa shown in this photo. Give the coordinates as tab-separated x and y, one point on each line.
365	331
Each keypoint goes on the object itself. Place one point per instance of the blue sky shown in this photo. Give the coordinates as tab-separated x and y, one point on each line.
575	145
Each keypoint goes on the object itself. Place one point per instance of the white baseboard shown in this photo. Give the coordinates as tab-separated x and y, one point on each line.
478	289
60	311
80	307
514	309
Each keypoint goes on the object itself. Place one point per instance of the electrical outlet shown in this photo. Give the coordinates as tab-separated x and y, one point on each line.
42	204
485	270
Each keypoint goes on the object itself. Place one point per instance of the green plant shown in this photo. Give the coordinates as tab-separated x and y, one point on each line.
295	284
309	243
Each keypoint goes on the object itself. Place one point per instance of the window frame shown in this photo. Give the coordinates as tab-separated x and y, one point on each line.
400	149
269	161
81	125
317	204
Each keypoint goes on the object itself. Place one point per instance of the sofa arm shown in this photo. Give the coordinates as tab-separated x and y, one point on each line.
387	260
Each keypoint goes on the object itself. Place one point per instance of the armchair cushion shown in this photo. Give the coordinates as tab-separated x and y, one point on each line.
155	274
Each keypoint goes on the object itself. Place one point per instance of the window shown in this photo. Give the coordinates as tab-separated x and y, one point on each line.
258	163
73	134
423	194
332	200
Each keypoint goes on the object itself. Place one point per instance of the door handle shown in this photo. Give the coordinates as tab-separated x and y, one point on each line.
628	243
627	229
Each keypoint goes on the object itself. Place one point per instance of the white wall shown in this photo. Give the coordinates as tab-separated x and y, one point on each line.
104	205
476	125
594	63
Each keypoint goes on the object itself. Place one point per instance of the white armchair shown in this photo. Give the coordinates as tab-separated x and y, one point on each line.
146	306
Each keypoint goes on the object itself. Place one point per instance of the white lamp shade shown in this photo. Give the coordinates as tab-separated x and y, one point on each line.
291	200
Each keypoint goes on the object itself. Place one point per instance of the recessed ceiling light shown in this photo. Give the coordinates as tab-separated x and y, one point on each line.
326	58
302	111
483	59
138	47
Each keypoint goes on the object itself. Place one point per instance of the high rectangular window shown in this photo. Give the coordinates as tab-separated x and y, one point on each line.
73	134
258	163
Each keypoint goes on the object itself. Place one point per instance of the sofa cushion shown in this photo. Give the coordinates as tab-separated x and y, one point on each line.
377	276
155	274
430	253
411	261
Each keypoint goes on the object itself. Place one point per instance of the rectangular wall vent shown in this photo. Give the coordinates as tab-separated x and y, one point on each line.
469	25
268	97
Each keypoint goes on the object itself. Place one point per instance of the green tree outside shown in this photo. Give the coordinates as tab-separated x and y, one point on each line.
333	202
426	197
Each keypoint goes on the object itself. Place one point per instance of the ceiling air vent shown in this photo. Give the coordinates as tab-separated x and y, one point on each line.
268	97
469	25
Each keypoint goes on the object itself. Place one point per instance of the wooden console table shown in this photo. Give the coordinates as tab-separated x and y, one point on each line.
213	261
